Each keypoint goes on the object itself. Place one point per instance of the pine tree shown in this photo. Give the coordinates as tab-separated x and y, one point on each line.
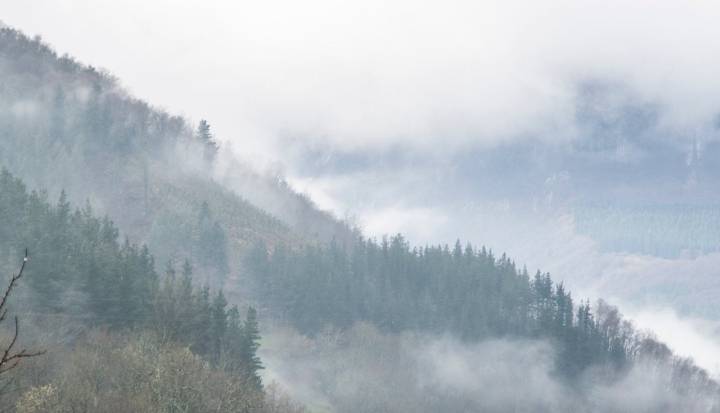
219	325
465	291
202	322
211	243
185	297
233	342
249	347
165	315
205	137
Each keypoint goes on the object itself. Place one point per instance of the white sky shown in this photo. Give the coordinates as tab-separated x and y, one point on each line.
377	73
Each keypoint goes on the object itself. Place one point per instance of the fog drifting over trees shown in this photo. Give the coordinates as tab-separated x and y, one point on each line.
208	217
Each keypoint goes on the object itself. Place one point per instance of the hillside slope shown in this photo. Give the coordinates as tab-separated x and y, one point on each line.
65	125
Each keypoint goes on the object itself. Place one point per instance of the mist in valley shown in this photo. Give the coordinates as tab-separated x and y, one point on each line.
359	207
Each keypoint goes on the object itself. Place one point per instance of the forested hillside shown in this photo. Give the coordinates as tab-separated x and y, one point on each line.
145	296
65	125
462	291
90	288
666	231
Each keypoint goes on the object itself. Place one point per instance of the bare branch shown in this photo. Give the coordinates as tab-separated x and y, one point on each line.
10	358
13	280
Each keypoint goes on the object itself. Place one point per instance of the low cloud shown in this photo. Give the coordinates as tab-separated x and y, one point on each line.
431	75
412	372
689	336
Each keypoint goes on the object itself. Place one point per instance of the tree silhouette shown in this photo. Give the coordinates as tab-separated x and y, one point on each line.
10	357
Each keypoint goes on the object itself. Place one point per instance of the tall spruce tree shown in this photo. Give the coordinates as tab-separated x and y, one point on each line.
219	325
249	347
205	137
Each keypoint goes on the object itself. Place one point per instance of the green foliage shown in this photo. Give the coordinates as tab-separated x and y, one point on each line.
79	267
203	322
210	243
205	137
81	272
464	291
249	345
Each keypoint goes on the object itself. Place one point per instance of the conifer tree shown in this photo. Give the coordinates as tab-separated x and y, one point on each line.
219	324
202	322
211	243
185	297
205	137
441	289
249	347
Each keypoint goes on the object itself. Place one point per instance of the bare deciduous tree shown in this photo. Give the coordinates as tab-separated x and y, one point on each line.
9	357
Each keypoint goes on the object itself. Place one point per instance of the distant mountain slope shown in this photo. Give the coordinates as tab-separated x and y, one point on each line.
64	125
660	230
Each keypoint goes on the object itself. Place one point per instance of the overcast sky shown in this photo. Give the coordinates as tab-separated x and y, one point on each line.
288	85
379	73
278	78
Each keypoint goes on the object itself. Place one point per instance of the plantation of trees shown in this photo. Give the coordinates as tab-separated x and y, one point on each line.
464	291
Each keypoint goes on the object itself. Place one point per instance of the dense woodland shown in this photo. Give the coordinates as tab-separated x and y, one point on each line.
83	275
464	291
